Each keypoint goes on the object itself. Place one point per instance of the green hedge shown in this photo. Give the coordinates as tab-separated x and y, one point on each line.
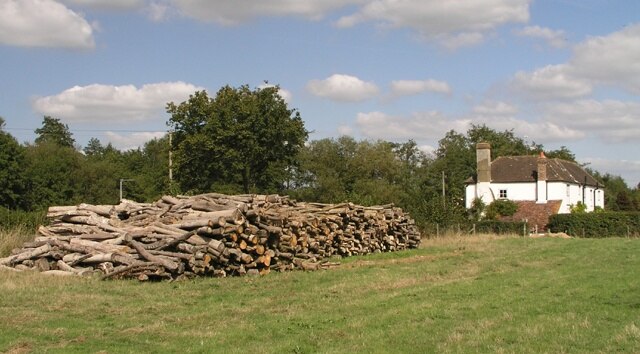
606	224
10	219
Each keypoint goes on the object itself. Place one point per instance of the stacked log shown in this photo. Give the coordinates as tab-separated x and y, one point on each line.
209	235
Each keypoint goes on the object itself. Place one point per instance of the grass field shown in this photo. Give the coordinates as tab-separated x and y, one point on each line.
477	294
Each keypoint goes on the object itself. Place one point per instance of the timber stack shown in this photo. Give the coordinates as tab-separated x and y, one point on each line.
209	235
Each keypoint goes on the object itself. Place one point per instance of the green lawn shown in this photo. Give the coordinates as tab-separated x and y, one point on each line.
452	295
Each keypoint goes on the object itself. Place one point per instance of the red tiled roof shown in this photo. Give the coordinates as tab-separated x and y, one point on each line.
535	214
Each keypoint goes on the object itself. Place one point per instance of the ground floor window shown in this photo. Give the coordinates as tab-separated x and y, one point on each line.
503	194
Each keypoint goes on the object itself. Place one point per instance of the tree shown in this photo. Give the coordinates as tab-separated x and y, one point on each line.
53	131
54	175
241	140
12	178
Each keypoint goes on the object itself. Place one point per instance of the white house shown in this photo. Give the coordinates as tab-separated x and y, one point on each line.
555	185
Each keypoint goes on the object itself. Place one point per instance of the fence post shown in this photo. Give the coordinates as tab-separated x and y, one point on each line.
437	230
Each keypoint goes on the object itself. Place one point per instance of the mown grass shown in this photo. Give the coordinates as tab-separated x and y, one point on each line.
477	294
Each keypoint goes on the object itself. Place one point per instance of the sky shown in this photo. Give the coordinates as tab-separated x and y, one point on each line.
555	72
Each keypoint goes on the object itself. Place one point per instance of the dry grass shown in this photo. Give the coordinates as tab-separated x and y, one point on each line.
14	238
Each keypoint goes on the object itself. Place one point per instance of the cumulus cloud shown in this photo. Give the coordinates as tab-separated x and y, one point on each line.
611	120
610	60
43	23
454	23
555	38
345	88
419	126
491	108
286	95
628	168
551	82
233	12
613	59
106	4
132	140
414	87
433	125
97	103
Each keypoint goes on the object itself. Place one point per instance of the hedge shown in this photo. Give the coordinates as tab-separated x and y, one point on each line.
596	225
501	227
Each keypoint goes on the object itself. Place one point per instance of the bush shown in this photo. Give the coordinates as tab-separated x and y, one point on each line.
602	224
501	207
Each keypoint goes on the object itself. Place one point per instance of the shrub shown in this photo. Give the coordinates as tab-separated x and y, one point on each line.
501	207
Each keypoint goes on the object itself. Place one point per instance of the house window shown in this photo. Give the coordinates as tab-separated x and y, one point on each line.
503	194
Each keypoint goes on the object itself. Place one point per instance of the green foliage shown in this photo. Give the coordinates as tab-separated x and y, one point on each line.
500	208
53	174
578	208
12	177
241	137
602	224
53	131
477	209
30	220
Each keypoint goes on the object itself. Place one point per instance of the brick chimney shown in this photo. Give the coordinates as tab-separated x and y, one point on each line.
483	161
541	182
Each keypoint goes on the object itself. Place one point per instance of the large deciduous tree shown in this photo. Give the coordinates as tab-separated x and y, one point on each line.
240	140
12	179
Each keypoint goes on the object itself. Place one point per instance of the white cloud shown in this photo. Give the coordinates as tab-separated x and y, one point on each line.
414	87
491	108
133	140
431	126
610	120
106	4
345	130
158	11
460	40
611	60
96	103
233	12
551	82
628	168
420	126
43	23
344	88
286	95
454	22
555	38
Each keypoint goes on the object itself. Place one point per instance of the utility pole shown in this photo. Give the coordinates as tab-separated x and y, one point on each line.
444	200
170	157
123	180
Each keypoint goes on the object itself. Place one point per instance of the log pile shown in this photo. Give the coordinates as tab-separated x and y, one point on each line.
209	235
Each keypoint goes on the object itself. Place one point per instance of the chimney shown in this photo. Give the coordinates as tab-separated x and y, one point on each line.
541	183
483	159
483	185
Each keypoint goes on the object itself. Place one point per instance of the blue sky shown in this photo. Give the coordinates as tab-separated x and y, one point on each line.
562	72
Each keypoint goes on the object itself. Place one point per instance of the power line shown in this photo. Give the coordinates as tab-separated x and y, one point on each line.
96	130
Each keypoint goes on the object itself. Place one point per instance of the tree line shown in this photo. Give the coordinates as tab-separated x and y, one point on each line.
246	140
